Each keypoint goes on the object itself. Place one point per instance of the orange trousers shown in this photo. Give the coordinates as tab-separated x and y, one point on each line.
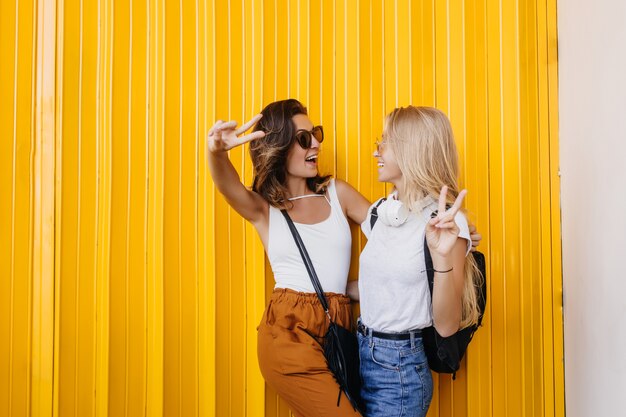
291	358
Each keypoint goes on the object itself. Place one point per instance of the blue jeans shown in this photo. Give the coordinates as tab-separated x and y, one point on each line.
396	378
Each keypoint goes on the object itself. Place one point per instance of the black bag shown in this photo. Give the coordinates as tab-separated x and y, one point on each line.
341	348
445	353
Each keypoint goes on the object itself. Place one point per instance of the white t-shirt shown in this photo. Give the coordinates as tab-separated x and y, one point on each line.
393	284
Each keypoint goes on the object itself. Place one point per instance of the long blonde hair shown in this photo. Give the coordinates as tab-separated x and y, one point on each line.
422	141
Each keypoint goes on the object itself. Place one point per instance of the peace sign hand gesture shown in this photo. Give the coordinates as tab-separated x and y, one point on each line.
442	231
224	136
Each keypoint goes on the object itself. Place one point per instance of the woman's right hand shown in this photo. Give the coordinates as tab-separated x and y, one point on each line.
224	136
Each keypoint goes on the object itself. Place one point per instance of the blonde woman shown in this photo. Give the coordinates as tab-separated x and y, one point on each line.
418	156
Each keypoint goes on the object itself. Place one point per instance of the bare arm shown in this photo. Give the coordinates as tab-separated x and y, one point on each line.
352	290
221	138
448	289
355	207
354	204
448	255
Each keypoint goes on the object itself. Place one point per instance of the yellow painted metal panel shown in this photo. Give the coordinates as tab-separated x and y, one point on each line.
43	248
254	255
155	255
18	139
206	219
476	171
147	288
172	303
104	168
8	22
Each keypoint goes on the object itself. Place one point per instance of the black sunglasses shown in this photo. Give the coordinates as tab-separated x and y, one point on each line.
305	137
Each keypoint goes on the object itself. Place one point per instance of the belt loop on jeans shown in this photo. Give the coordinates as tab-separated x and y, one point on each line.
412	335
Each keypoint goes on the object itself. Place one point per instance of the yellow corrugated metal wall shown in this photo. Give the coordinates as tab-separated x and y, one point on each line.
127	285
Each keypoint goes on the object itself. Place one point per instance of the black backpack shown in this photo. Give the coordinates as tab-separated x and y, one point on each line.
445	353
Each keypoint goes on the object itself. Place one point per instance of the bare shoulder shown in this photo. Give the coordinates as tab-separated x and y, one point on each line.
343	187
346	192
354	204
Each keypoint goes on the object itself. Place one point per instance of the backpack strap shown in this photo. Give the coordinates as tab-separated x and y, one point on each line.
374	212
429	260
430	270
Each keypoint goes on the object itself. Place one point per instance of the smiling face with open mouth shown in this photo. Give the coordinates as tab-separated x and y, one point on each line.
302	162
388	169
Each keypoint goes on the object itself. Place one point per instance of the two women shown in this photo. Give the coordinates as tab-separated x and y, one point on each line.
284	148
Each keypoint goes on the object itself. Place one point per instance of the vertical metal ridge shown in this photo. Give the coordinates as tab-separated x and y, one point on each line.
201	189
43	263
104	169
503	202
275	47
520	209
384	54
359	97
7	181
212	312
346	89
306	56
410	40
207	360
462	133
395	50
288	13
60	47
32	204
180	205
555	223
145	213
78	206
154	305
548	389
334	60
12	276
229	259
194	193
127	226
248	90
13	198
448	58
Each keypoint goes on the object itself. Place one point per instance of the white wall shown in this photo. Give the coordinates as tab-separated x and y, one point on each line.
592	138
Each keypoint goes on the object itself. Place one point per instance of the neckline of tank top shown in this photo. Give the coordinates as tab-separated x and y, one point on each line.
313	195
299	197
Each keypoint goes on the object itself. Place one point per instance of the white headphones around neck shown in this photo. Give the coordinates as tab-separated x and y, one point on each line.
392	212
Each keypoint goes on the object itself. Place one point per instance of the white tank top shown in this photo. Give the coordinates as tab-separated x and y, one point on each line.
328	244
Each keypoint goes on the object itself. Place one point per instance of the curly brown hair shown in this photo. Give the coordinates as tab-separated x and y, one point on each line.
269	154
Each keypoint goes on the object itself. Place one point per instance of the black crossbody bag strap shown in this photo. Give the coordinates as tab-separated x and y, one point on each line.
341	348
307	262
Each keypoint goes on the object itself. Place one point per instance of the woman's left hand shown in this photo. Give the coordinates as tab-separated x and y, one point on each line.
442	231
474	236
